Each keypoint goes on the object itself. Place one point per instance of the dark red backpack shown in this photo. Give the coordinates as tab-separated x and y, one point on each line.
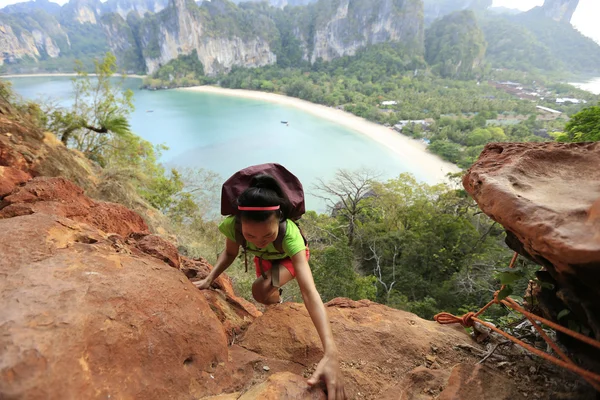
240	181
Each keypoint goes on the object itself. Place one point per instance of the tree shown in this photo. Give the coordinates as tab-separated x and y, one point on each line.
448	150
345	195
416	240
583	126
478	137
335	275
99	112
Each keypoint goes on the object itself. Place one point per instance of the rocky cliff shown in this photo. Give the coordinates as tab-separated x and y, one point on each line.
123	41
214	30
148	34
341	28
82	11
16	46
560	10
552	216
38	35
327	29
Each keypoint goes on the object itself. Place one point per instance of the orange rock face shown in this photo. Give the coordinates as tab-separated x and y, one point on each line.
58	196
547	196
380	344
10	178
81	321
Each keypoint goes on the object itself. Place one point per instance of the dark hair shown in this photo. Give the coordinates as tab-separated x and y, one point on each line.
264	191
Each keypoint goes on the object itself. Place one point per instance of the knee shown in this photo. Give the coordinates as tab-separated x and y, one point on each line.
260	291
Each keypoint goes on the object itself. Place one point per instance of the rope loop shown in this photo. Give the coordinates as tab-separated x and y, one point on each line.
468	320
445	318
496	293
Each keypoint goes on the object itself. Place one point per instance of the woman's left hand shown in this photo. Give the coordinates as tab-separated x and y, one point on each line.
328	370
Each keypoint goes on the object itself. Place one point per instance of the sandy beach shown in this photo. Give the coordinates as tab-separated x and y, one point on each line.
60	74
592	86
414	152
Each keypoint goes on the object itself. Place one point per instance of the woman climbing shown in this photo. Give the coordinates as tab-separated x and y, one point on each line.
259	221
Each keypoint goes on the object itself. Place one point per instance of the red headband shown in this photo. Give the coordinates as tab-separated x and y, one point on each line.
274	208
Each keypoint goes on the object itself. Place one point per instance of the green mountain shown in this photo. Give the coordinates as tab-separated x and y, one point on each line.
513	46
577	52
455	46
558	10
533	42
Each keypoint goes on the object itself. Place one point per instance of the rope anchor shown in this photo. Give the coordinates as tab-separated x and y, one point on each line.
470	318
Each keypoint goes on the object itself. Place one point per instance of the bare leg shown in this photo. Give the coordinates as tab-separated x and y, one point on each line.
264	292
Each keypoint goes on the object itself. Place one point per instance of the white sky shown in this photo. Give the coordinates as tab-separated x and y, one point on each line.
585	18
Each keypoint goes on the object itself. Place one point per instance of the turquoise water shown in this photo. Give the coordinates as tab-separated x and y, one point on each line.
225	134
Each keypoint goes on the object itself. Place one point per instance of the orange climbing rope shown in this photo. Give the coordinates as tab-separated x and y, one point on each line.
470	318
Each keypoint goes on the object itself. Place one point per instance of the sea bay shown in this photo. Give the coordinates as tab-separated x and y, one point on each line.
224	134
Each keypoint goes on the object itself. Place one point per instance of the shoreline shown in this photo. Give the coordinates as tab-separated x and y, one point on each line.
591	85
411	150
59	74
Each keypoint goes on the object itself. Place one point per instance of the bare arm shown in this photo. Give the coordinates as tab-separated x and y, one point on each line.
328	368
313	303
224	261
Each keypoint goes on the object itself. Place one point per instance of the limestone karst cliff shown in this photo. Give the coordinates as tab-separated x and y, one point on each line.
349	25
560	10
213	31
148	34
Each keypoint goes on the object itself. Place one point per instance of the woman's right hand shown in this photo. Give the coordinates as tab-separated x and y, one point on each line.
204	283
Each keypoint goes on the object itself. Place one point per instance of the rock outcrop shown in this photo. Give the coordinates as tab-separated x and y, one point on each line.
547	196
83	11
560	10
26	148
182	28
121	38
21	44
349	25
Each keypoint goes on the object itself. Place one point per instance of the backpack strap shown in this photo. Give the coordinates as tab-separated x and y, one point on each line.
241	240
278	243
301	232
